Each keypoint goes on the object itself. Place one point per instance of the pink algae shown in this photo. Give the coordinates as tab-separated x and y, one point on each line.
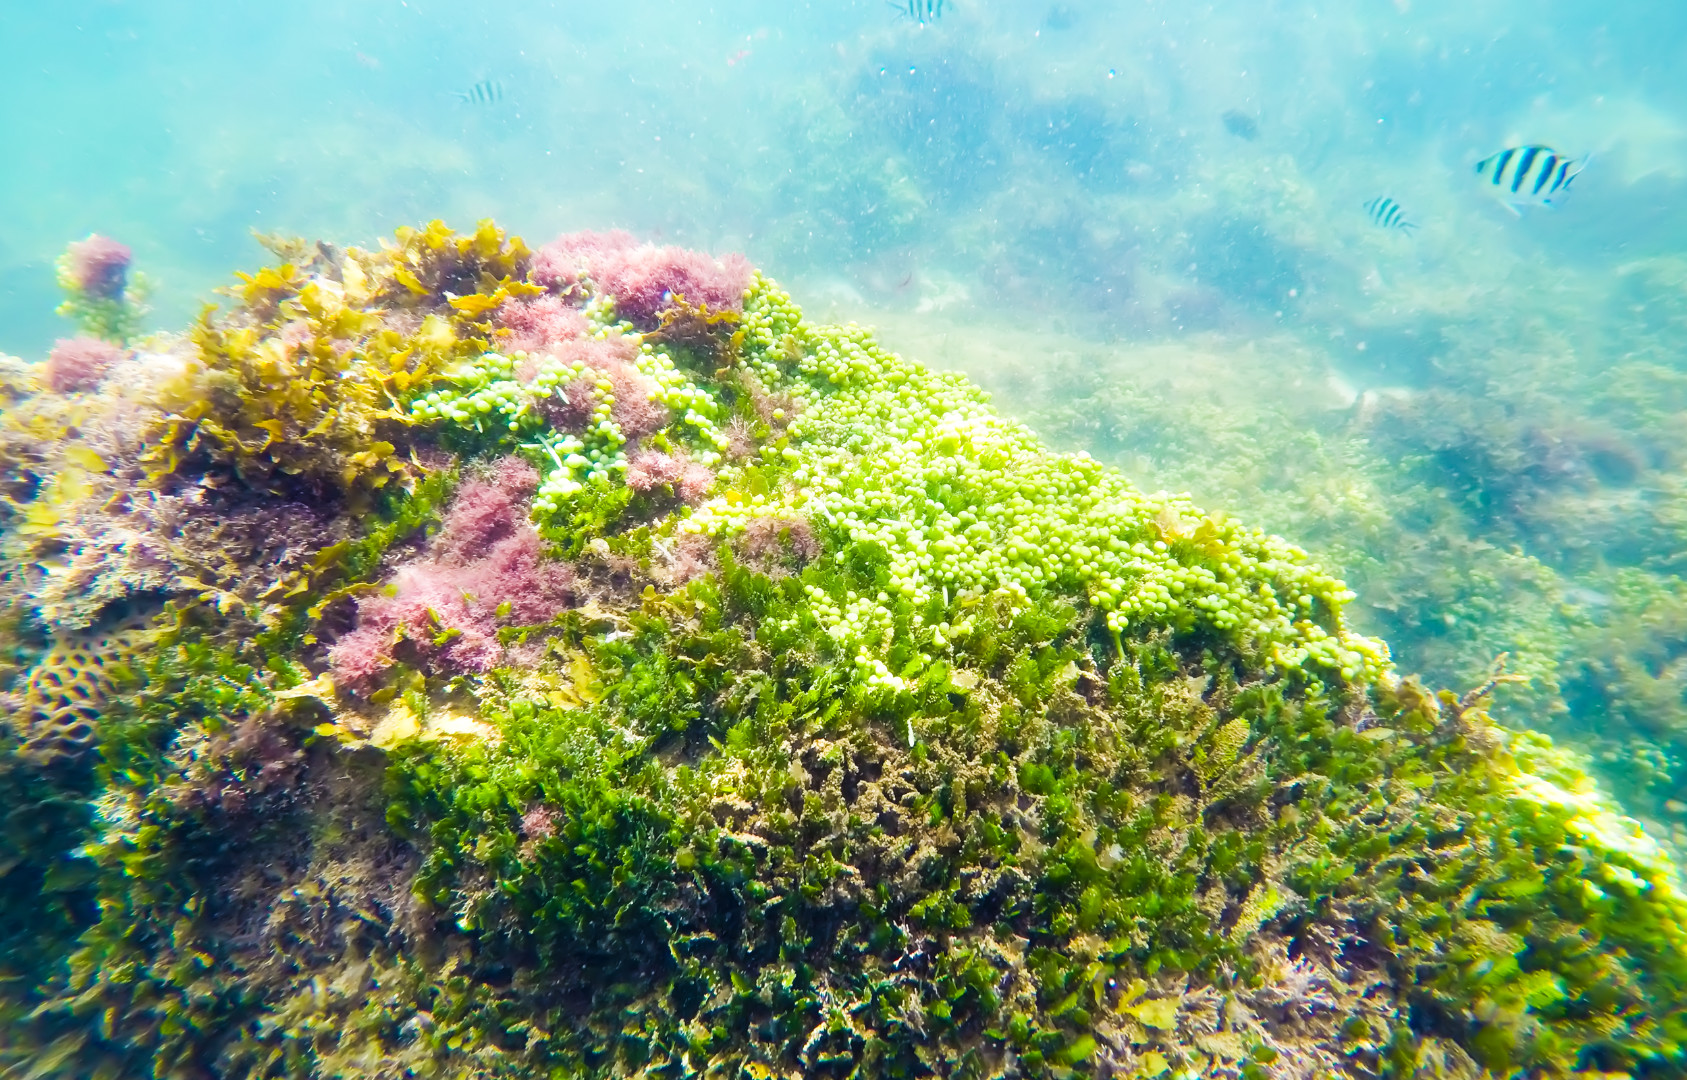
570	407
540	323
485	512
650	470
634	411
99	266
485	569
79	363
644	279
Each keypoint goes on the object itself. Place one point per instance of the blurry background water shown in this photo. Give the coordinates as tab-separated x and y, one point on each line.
1141	222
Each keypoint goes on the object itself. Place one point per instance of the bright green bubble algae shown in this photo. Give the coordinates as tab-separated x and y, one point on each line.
875	739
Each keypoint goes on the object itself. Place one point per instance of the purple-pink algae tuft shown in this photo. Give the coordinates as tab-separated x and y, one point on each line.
99	266
484	512
79	363
569	408
539	822
540	323
634	411
644	279
485	569
652	469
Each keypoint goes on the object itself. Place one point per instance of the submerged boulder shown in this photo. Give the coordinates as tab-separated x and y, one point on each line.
509	688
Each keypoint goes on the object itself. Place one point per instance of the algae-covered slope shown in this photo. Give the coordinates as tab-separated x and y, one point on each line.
460	660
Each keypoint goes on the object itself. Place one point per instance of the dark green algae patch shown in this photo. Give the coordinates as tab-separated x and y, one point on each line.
856	734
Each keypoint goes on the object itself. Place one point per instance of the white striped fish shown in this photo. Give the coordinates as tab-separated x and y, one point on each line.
485	92
1529	175
1386	213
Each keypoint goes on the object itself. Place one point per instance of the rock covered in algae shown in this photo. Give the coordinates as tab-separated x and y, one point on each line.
574	663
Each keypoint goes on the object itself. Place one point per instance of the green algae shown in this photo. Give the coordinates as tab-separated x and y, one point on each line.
947	754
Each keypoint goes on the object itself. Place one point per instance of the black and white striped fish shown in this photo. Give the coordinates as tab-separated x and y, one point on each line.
1529	175
485	92
1386	213
921	11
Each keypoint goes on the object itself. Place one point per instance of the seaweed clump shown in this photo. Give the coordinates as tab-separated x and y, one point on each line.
100	294
765	705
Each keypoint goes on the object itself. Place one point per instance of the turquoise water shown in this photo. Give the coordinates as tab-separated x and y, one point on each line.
1032	150
1143	224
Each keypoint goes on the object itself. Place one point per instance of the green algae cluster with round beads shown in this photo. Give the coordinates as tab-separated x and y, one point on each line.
905	748
962	503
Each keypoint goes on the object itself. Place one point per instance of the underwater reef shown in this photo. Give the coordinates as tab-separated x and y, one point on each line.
464	660
1525	499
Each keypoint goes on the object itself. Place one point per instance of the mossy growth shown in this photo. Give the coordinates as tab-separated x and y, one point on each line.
882	741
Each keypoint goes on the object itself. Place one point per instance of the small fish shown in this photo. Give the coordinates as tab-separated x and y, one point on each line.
484	92
921	11
1241	125
1386	213
1529	175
